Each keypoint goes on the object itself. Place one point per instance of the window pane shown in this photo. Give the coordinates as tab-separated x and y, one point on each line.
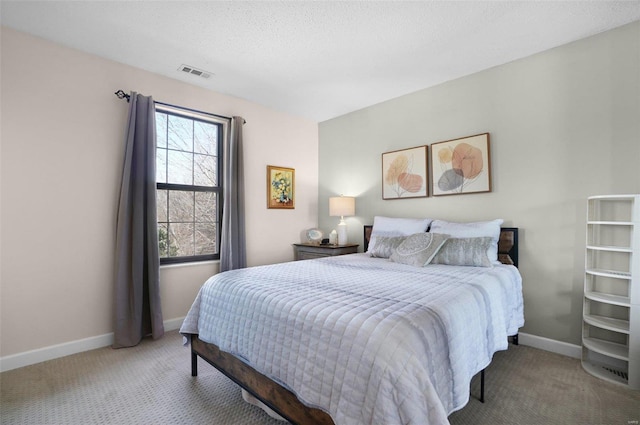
163	241
180	170
205	170
161	129
205	238
205	138
206	207
161	201
181	236
161	165
180	206
180	133
187	162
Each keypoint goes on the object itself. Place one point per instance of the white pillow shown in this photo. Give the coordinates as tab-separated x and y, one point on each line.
472	230
389	226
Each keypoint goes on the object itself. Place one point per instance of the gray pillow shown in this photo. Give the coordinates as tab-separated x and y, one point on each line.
465	252
479	229
385	246
418	249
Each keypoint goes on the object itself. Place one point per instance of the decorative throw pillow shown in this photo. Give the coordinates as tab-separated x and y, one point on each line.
391	226
385	246
418	249
464	252
472	230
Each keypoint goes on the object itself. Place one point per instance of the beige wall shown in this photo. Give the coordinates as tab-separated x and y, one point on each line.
564	125
61	158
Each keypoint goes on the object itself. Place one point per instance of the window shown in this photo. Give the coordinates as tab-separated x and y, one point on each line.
189	184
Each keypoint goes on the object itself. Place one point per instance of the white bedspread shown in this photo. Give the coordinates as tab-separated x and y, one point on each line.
365	339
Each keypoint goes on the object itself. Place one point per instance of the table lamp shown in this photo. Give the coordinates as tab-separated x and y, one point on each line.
342	206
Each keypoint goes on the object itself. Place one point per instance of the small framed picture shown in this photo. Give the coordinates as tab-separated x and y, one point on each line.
404	173
461	166
280	187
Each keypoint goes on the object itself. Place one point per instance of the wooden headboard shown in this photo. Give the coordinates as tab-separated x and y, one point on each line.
507	244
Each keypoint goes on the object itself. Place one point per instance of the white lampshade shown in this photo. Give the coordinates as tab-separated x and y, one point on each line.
342	206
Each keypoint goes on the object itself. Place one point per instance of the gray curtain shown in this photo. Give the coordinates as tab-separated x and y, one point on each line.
137	287
233	252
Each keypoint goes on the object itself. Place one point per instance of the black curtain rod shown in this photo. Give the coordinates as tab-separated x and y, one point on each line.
122	95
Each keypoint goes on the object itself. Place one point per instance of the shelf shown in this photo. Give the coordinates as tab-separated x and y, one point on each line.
610	349
606	373
609	273
611	223
609	248
615	325
614	197
608	298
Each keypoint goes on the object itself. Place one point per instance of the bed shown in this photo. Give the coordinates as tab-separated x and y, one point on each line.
292	336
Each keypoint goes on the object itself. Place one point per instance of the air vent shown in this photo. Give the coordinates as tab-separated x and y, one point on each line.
194	71
618	373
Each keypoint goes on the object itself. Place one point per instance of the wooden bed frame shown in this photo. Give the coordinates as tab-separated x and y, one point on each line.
280	399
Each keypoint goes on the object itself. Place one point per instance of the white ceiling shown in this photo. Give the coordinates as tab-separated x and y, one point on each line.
316	59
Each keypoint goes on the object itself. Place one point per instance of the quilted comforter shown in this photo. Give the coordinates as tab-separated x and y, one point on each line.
365	339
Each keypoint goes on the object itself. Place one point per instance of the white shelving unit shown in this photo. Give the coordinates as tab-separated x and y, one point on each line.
611	311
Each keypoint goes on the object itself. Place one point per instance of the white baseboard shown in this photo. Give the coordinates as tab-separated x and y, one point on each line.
173	324
546	344
60	350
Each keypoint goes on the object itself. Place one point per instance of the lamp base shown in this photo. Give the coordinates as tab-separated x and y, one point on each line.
342	232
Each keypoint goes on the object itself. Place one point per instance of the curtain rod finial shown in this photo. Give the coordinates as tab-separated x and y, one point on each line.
122	95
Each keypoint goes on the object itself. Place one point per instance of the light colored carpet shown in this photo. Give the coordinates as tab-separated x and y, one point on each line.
152	384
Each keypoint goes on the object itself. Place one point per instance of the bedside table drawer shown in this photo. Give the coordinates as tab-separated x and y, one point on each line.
310	251
304	255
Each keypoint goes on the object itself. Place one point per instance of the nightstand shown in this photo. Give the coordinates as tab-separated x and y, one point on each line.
304	251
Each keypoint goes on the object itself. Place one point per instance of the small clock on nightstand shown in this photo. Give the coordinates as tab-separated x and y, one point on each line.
314	236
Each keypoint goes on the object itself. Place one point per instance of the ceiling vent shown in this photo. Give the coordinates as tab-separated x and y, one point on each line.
195	71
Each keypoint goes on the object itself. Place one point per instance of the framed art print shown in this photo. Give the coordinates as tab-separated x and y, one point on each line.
404	173
280	187
461	166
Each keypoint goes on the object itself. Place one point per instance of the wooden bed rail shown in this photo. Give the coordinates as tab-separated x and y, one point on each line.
275	396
